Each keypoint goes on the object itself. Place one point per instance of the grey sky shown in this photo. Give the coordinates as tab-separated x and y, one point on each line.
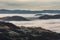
30	4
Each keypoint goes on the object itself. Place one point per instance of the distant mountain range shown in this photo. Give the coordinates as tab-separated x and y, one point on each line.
14	18
28	11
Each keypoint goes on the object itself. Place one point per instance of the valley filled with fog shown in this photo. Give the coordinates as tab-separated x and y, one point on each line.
51	24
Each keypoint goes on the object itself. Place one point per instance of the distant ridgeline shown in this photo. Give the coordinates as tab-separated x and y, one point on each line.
28	11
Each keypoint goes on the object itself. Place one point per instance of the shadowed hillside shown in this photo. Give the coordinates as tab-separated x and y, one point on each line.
14	18
9	31
50	17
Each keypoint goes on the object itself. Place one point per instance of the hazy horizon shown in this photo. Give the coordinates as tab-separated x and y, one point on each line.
30	4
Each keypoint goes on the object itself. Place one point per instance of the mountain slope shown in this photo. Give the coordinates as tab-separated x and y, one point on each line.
9	31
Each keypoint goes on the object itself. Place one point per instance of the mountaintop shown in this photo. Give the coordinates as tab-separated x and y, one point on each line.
50	16
14	18
9	31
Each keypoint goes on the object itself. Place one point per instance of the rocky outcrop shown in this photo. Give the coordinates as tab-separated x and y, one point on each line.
9	31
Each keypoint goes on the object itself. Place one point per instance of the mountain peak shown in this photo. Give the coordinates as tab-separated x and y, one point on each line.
9	31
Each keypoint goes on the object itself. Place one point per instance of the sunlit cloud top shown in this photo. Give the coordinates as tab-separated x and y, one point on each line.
30	4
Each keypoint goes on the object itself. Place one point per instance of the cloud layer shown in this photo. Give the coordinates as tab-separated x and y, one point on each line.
30	4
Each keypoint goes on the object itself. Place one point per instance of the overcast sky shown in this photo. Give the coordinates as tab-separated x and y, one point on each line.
30	4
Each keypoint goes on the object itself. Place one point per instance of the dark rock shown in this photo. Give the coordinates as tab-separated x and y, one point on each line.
11	32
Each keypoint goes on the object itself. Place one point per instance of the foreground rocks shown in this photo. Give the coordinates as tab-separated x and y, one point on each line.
9	31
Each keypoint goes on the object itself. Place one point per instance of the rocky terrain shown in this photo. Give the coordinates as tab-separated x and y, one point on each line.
9	31
14	18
